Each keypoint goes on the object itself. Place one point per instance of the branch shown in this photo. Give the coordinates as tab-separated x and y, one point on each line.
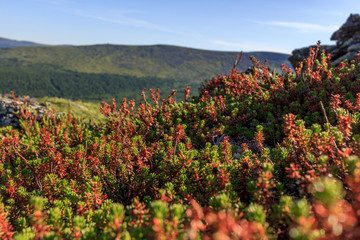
327	120
237	60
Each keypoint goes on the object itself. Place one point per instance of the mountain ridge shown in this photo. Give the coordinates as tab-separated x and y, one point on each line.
41	71
151	60
9	43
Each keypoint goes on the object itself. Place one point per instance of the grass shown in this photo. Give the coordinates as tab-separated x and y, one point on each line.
86	110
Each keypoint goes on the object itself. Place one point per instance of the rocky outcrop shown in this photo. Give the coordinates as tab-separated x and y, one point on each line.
347	39
10	109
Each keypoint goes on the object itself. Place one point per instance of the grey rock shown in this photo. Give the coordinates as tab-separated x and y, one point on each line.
347	44
349	55
354	48
10	109
348	29
300	54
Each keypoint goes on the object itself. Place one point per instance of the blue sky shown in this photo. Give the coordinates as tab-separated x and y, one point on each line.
226	25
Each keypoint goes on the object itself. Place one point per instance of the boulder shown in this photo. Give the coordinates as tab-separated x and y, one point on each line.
348	55
300	54
349	29
10	109
347	46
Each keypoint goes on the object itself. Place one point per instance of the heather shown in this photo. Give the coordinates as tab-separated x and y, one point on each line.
254	156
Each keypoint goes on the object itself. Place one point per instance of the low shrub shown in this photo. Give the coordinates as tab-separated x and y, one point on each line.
254	156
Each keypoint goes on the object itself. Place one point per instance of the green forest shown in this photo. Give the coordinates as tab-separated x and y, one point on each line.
103	72
40	80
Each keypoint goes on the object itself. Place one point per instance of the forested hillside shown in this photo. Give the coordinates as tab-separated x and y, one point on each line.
41	80
101	72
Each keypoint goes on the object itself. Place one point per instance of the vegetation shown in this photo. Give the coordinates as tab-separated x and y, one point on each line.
254	156
162	61
102	72
40	80
88	111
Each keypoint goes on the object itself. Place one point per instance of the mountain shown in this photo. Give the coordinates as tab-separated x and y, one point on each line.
9	43
160	60
101	72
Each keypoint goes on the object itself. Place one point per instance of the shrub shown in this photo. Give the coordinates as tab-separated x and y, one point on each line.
254	156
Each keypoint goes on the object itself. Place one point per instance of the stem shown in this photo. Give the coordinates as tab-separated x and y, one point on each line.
324	112
327	120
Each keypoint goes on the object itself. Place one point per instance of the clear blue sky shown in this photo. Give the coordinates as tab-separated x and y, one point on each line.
230	25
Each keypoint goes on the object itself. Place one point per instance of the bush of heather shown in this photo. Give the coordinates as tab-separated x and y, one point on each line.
254	156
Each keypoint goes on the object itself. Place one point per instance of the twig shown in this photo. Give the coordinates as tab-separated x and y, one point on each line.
237	60
327	120
122	134
324	112
176	142
84	159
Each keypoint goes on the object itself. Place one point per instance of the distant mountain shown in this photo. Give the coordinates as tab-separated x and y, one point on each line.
116	70
8	43
160	60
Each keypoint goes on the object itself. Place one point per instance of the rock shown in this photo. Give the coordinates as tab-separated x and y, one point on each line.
355	47
300	54
261	72
347	46
238	141
10	109
347	30
349	55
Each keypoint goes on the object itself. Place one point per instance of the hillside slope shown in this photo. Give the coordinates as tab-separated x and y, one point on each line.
116	71
160	60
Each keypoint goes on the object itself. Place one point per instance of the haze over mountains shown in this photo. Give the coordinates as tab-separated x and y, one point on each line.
102	72
5	42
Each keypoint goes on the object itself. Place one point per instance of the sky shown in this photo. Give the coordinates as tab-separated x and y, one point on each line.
223	25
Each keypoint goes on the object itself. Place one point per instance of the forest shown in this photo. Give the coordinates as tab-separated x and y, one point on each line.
42	80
